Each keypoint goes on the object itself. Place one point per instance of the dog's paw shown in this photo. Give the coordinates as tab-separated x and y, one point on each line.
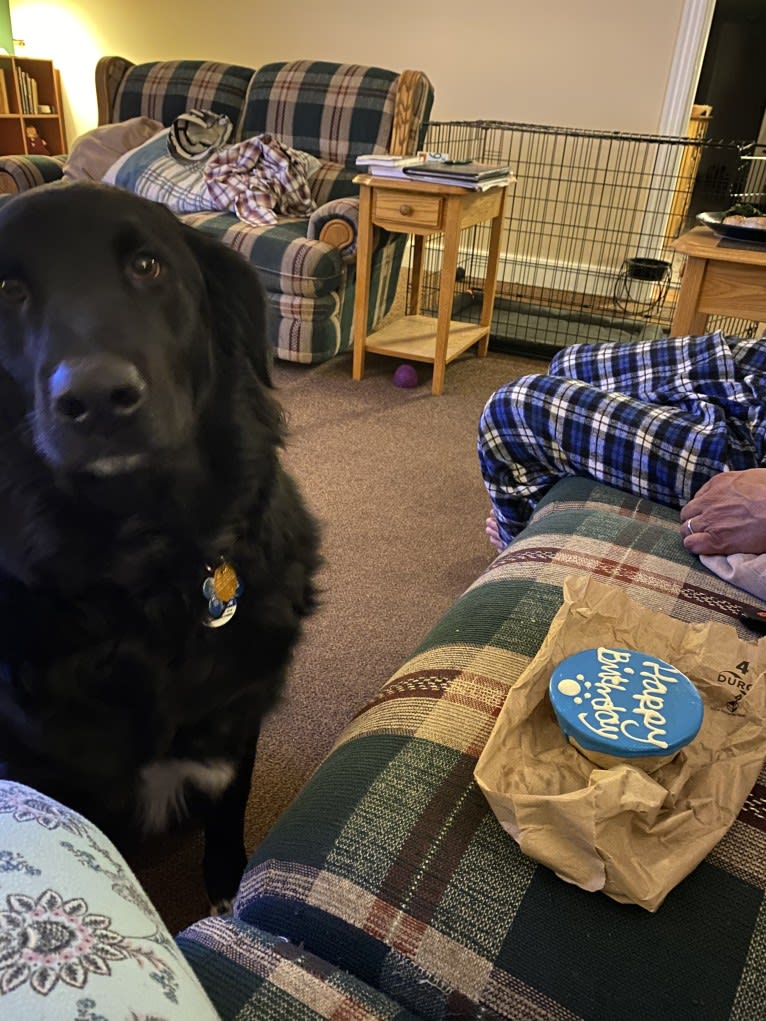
222	907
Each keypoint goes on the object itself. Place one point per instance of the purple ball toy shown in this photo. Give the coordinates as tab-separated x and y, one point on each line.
405	376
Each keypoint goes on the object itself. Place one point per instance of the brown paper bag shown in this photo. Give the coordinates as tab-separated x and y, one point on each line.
630	834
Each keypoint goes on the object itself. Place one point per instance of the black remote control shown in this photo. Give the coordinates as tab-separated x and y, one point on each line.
754	618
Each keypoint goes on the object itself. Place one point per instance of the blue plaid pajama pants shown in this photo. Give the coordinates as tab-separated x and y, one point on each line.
657	418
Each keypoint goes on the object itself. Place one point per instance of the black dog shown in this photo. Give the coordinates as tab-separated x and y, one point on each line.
155	558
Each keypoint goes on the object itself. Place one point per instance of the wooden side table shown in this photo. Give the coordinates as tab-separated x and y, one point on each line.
720	278
424	209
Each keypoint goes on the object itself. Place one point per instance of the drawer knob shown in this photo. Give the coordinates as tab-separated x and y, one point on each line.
405	210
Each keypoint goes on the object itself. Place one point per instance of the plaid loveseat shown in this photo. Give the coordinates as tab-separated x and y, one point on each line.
335	112
389	891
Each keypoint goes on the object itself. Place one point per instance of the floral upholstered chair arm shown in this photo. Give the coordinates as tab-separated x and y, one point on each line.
78	936
20	173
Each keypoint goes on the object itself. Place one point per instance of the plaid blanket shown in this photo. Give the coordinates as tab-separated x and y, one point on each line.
253	179
391	867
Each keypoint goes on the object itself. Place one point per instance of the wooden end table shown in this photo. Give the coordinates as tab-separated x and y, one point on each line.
424	209
720	278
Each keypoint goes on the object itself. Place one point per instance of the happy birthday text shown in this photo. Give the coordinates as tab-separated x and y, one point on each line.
644	722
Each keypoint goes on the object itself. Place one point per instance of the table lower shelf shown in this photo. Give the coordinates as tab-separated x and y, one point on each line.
414	338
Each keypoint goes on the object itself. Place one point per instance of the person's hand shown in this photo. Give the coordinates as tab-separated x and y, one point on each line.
727	515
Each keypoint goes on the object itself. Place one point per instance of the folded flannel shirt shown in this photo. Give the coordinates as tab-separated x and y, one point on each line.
259	176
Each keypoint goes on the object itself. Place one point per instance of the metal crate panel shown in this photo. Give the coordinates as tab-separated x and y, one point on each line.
586	250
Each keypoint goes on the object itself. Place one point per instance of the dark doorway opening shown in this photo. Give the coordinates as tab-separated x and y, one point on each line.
732	82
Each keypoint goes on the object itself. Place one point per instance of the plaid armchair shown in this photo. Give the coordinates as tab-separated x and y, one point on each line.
335	112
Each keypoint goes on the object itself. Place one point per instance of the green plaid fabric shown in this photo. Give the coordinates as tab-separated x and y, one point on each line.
253	974
346	210
335	111
309	285
164	89
313	330
391	866
288	264
20	173
334	181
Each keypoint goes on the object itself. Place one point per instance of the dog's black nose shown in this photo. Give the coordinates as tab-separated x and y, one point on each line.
97	388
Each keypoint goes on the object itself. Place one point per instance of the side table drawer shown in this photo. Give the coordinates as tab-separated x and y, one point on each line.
405	210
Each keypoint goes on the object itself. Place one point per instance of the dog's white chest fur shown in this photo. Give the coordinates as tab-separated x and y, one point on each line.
164	785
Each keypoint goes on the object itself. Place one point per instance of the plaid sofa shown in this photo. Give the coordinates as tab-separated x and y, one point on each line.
390	870
333	111
388	889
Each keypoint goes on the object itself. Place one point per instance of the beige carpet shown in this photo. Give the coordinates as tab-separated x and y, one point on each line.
393	477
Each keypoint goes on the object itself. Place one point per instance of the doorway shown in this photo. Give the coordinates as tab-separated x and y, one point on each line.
732	82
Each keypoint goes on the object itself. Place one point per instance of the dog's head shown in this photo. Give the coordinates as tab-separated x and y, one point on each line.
114	321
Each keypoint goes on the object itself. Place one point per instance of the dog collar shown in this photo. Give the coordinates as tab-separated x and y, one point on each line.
221	588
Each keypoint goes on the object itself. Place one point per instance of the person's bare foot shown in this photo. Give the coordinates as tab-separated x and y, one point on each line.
490	527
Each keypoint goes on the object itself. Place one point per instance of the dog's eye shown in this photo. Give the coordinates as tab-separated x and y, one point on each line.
145	266
12	289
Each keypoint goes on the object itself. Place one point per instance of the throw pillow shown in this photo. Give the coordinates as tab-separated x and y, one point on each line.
94	152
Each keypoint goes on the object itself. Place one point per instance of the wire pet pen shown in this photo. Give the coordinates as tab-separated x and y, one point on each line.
586	252
753	177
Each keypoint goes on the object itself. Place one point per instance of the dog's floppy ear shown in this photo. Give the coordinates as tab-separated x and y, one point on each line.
237	301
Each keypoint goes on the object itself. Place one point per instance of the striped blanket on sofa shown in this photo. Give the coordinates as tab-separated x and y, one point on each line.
389	889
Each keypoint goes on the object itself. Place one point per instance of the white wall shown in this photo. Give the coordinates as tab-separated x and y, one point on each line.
577	63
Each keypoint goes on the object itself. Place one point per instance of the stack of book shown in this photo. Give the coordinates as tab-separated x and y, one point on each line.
27	92
441	170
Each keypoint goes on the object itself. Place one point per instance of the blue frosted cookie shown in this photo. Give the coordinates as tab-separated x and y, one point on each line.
617	705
